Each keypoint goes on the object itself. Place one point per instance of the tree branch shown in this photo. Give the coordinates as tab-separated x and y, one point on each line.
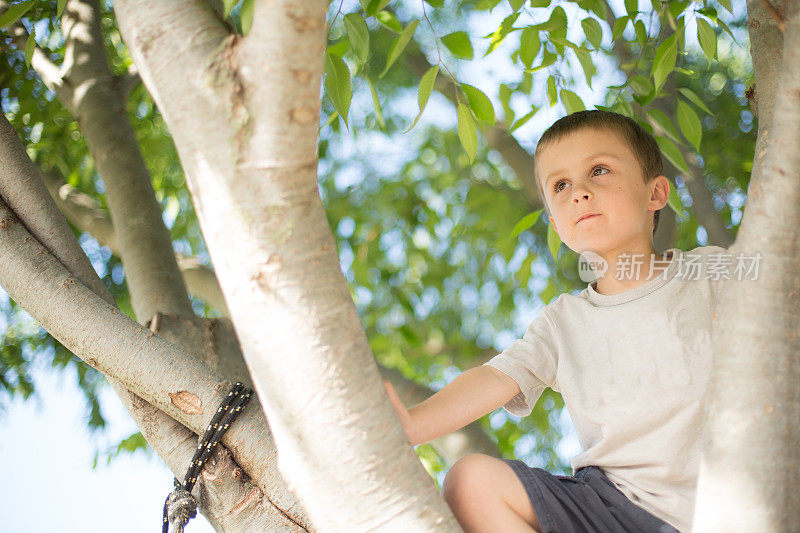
751	434
152	274
252	174
778	17
157	371
20	185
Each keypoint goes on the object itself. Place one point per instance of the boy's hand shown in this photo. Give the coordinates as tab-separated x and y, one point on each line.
400	409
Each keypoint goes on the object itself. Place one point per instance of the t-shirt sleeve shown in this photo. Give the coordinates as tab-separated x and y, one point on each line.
530	361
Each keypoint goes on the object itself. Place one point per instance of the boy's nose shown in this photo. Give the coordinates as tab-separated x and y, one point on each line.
581	196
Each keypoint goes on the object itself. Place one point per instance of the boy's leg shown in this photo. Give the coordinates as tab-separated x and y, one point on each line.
485	494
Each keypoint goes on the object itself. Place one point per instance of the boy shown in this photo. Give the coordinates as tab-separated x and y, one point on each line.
631	355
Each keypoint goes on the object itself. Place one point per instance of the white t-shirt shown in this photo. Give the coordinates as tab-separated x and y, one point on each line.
632	369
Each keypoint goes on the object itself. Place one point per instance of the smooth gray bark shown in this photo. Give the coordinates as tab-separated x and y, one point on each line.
247	142
750	471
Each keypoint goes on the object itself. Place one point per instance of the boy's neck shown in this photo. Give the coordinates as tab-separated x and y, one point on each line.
629	268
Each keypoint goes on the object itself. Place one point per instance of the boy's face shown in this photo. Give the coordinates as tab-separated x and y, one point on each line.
594	171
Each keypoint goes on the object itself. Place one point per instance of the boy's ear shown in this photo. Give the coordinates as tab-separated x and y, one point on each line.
659	193
553	222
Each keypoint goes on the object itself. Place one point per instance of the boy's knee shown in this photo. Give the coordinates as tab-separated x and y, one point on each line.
465	478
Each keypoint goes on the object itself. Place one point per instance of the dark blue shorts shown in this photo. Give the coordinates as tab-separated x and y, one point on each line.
586	503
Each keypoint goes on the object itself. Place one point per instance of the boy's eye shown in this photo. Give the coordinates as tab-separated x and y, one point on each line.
556	184
595	168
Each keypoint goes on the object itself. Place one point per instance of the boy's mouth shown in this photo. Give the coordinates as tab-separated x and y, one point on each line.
588	216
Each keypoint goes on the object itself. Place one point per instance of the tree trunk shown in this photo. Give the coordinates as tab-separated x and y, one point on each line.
750	470
247	141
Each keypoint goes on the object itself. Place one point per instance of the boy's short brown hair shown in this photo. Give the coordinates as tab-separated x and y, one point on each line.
641	142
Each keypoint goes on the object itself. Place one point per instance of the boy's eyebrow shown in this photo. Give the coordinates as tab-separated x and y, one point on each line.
598	154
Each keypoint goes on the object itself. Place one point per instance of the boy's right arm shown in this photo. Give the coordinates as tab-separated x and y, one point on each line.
474	393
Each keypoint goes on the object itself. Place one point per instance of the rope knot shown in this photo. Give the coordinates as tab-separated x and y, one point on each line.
180	506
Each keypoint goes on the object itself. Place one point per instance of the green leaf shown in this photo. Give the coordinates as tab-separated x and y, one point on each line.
589	70
666	124
374	6
526	222
500	33
641	85
553	241
389	21
672	153
598	7
337	84
689	124
664	61
376	103
676	7
593	31
399	45
693	98
540	3
479	103
227	7
435	3
572	102
674	201
523	120
358	34
339	49
641	32
523	275
467	131
60	7
557	23
516	4
526	84
619	27
330	120
709	12
30	45
505	96
548	58
14	12
458	43
727	29
246	15
707	38
529	45
425	89
727	5
632	8
552	92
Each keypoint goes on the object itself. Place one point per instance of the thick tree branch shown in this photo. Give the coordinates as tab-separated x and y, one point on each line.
23	191
152	368
20	185
126	82
750	469
780	21
153	278
253	175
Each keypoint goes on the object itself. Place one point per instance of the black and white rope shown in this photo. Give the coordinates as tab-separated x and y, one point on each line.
180	505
